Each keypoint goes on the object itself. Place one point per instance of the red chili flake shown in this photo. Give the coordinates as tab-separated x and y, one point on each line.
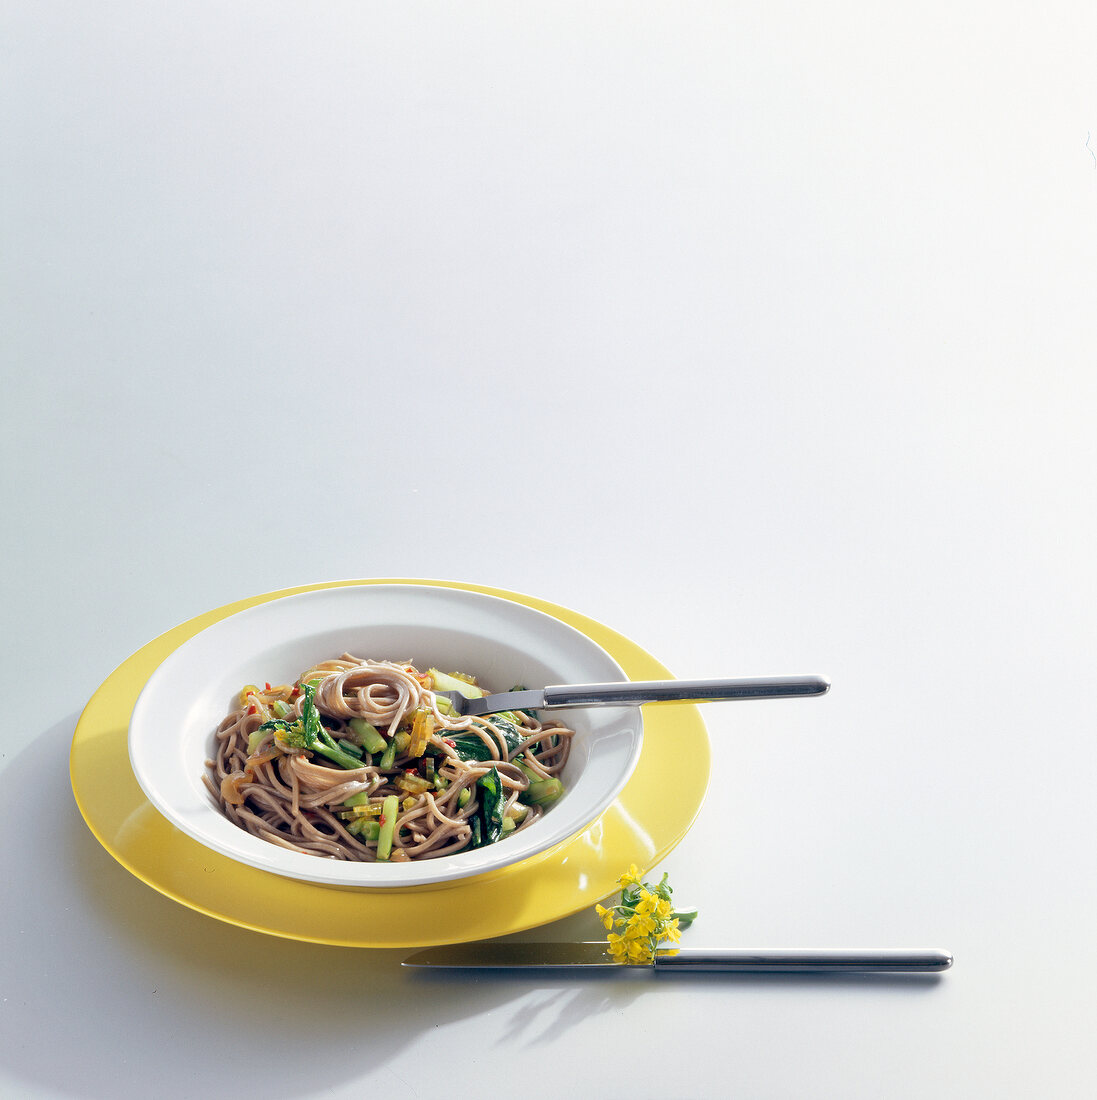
381	820
252	709
452	744
268	685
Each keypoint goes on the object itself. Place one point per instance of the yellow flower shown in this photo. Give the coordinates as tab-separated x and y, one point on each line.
641	924
647	903
617	947
631	877
639	951
643	919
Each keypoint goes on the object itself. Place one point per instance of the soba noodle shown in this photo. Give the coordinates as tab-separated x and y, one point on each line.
362	760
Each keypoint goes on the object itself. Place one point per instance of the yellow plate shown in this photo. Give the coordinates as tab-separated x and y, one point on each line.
652	814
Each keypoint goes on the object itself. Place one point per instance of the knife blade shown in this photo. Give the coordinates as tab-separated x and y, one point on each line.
637	692
593	955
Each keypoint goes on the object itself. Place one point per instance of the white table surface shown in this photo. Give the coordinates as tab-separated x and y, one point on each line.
763	333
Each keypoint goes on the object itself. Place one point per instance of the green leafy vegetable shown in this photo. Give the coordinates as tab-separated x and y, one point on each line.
308	732
470	747
487	825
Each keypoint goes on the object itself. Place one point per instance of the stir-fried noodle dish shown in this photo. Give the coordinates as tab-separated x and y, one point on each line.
362	760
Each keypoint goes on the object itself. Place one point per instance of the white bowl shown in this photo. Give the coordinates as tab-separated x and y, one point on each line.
171	731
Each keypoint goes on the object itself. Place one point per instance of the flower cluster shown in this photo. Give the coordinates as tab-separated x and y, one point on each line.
644	918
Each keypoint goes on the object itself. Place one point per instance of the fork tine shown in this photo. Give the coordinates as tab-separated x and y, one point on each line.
457	701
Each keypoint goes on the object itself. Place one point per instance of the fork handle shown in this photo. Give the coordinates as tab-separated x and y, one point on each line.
637	692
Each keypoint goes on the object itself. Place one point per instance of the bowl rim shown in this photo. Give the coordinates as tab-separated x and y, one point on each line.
619	729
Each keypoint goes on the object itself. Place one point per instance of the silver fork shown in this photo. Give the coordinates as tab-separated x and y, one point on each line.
634	693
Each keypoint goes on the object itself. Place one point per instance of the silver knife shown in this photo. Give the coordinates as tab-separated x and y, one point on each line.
560	956
634	693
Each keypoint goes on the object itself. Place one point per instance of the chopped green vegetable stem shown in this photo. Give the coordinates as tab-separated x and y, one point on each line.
387	826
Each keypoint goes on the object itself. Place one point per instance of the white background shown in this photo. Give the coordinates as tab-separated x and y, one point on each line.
762	332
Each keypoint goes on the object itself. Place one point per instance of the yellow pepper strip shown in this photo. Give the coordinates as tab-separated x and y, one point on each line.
412	783
371	810
421	729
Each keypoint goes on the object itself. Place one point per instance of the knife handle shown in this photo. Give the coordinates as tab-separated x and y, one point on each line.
804	962
637	692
